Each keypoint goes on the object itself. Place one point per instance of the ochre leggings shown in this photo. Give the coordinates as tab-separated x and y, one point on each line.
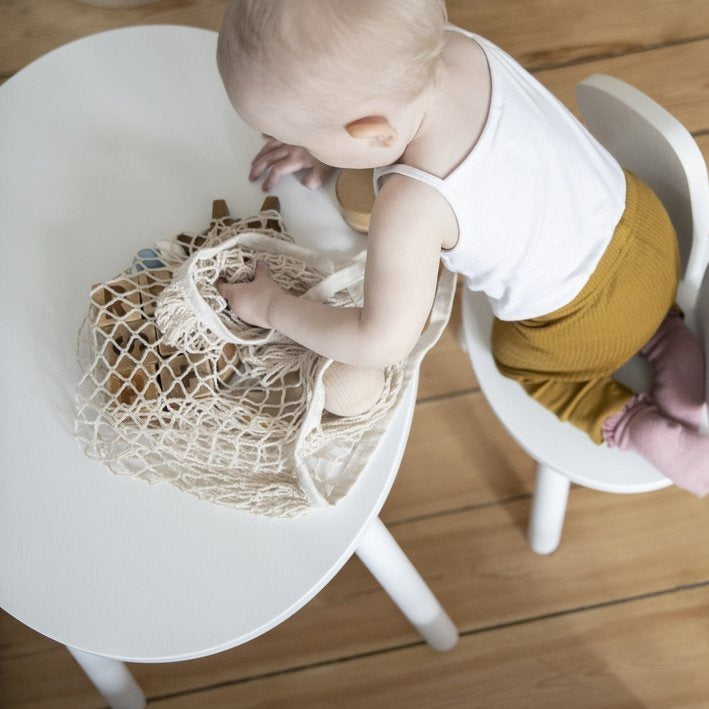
565	360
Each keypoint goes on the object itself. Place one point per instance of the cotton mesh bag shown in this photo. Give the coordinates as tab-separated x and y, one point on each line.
176	388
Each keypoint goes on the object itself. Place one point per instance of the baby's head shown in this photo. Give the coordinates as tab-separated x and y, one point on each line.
345	79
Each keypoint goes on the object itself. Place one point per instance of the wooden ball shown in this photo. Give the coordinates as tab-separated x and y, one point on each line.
350	391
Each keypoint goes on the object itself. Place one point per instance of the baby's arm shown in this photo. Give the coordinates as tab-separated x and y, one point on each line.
279	159
406	232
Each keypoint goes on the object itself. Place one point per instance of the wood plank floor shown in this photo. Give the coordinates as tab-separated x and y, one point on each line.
618	617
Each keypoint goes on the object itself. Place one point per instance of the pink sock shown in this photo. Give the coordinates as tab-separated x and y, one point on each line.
675	353
675	450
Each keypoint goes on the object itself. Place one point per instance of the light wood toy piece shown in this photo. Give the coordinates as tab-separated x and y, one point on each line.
115	301
351	391
355	195
133	364
152	281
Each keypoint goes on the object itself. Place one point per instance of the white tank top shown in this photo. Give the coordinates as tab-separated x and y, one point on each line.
537	199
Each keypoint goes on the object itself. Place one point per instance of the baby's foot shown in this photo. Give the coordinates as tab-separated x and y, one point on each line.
675	353
674	449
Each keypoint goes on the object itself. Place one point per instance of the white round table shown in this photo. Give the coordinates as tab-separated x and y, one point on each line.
109	144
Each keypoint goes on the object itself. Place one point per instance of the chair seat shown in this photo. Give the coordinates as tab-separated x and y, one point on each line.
555	444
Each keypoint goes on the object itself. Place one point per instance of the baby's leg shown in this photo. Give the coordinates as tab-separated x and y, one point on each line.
675	353
584	404
564	359
676	450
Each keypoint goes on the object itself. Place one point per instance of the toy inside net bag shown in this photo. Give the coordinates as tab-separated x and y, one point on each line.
176	388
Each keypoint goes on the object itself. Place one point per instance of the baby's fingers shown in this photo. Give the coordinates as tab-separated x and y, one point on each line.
287	166
261	164
268	146
226	290
316	177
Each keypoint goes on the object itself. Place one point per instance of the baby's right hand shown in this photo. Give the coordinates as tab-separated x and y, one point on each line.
279	160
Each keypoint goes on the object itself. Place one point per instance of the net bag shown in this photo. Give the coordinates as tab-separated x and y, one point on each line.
176	388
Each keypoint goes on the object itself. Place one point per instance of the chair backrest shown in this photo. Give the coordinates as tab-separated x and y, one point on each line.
650	142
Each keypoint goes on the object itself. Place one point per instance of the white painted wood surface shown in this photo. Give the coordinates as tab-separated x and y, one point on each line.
109	144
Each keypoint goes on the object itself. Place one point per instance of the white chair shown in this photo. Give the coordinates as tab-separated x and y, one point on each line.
651	143
109	144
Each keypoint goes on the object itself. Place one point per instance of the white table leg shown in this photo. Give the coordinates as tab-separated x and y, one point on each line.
381	554
546	520
112	679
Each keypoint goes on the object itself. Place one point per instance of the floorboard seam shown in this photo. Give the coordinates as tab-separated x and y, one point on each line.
447	395
532	68
589	607
457	510
464	633
287	671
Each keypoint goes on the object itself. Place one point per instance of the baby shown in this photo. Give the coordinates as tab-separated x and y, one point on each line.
477	165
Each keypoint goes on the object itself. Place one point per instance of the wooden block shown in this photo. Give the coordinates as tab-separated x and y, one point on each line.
130	384
178	376
152	282
355	194
191	242
226	363
221	215
115	301
220	209
131	342
274	224
271	202
165	350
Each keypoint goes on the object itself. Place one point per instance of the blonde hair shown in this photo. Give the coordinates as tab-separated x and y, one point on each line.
368	49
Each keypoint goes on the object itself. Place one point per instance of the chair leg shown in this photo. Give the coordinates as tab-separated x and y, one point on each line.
381	554
548	509
112	679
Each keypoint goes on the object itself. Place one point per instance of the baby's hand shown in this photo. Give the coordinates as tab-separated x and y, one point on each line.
251	301
279	160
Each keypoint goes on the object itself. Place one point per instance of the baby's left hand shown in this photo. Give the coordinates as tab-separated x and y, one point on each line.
251	301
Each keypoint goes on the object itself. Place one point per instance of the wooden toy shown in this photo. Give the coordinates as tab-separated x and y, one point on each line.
191	242
220	210
351	391
116	301
223	369
152	282
129	352
355	194
129	343
226	364
179	378
127	386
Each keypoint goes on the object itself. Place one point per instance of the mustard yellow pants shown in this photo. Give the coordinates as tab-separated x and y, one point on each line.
565	359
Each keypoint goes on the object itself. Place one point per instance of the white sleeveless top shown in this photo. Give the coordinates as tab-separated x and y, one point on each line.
537	199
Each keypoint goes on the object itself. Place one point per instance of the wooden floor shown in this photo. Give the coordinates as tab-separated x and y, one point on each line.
618	617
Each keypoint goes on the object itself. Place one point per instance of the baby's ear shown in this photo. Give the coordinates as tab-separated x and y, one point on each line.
375	129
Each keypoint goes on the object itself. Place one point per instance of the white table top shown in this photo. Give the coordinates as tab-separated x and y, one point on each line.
107	145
